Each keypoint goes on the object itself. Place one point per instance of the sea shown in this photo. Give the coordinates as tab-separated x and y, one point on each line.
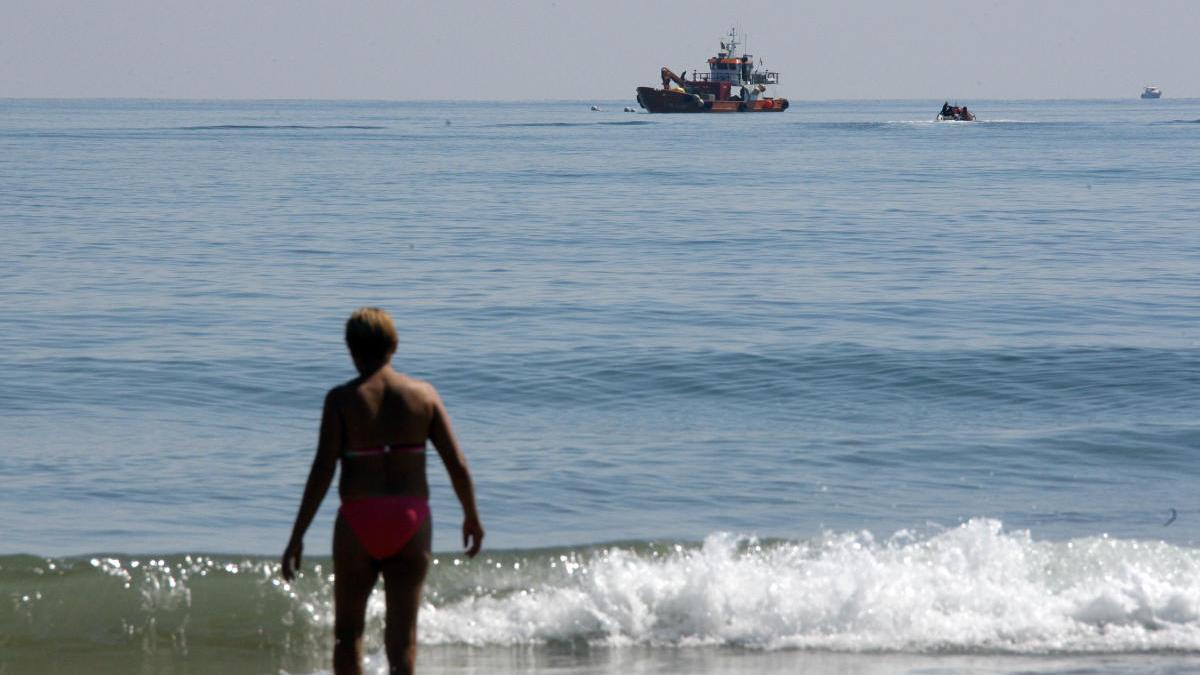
836	390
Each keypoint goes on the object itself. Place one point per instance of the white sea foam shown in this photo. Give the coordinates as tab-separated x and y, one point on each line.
975	588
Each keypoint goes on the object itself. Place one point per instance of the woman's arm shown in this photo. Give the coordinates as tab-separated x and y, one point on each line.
329	448
442	435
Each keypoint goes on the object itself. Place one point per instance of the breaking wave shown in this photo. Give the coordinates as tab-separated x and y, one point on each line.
973	589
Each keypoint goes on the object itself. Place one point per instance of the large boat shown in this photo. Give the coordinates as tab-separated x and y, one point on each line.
732	84
1152	92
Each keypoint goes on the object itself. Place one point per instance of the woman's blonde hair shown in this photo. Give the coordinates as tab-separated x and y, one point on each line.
371	335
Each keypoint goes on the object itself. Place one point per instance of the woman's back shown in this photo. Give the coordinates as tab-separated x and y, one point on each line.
388	415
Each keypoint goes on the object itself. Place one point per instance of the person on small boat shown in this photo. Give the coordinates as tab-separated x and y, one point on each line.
947	111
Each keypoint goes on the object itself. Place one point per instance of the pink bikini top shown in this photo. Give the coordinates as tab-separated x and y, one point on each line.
387	449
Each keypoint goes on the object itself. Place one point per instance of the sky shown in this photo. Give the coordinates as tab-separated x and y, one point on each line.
592	50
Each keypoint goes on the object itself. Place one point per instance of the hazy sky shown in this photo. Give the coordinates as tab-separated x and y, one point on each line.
563	49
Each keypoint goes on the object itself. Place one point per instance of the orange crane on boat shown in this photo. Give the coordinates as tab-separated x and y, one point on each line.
669	76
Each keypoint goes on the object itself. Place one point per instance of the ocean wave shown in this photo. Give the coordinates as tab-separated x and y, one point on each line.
538	125
1097	379
1081	379
268	127
973	589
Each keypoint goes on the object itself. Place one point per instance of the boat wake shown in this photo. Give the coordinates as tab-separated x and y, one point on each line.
962	122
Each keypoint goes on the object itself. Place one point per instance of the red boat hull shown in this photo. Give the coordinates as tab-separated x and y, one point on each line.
665	101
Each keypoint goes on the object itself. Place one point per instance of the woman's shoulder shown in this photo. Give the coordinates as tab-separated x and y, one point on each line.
407	386
338	393
414	385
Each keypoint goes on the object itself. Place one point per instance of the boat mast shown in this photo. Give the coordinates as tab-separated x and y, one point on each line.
732	45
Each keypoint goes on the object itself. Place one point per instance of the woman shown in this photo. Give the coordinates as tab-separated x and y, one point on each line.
377	425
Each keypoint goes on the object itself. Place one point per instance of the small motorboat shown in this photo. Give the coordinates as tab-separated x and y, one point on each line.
1152	92
955	113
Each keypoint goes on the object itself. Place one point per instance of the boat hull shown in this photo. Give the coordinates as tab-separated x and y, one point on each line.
665	101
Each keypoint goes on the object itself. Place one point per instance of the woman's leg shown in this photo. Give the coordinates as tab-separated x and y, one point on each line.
354	578
403	577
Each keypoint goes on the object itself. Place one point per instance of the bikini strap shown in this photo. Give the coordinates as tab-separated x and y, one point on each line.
387	449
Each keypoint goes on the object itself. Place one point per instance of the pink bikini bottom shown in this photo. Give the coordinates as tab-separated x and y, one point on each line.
384	525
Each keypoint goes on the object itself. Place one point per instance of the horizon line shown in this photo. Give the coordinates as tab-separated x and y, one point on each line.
534	100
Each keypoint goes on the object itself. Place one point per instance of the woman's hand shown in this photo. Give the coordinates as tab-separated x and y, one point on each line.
291	559
472	535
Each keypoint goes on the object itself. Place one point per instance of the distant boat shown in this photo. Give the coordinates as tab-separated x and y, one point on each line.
733	83
1152	92
955	113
